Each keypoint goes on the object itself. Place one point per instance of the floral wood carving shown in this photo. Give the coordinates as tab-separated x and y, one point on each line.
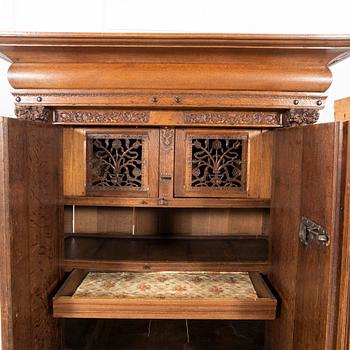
115	163
102	116
217	163
167	137
33	113
233	118
296	117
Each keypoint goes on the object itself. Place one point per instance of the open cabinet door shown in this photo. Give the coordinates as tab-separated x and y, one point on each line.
307	203
31	209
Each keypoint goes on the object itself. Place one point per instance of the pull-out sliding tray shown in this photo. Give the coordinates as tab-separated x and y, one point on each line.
165	295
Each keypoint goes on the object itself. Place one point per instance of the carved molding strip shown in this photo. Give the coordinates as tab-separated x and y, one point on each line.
32	113
233	118
296	117
102	116
209	99
167	137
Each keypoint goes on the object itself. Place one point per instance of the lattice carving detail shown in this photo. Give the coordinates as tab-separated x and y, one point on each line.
115	163
217	163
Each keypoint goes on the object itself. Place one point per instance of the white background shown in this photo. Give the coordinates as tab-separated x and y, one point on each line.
226	16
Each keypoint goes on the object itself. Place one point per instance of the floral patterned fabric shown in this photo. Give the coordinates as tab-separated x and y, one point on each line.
181	285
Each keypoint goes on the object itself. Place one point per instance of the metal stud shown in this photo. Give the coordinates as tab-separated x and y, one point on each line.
296	102
319	103
18	99
178	99
154	99
39	98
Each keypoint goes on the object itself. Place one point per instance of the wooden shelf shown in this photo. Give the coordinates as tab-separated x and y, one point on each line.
158	254
86	295
170	203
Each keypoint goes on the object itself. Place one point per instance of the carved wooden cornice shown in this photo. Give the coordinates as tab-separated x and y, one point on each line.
171	70
297	117
33	113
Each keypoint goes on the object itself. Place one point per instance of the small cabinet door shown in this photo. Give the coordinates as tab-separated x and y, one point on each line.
31	218
122	162
308	237
222	163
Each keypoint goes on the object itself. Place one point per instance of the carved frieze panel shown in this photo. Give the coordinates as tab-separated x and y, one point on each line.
33	113
272	118
100	116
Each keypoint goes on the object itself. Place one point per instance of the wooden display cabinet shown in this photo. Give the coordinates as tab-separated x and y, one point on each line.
173	177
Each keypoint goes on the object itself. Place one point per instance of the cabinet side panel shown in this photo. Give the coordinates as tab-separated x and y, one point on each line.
34	226
284	226
5	245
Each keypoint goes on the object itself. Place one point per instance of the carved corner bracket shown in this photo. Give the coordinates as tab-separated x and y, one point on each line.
297	117
33	113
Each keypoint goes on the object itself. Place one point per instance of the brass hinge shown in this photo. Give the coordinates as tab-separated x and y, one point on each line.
310	231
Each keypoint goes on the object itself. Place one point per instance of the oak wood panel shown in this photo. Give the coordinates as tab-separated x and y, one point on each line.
170	221
261	308
284	226
161	254
74	161
343	319
31	232
243	76
103	220
318	266
190	221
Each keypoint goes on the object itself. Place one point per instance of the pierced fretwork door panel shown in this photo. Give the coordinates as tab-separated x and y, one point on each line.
222	163
122	162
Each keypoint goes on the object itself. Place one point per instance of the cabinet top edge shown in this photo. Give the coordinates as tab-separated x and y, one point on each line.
301	41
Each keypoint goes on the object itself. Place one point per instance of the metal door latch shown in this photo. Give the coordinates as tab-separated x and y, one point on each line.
310	231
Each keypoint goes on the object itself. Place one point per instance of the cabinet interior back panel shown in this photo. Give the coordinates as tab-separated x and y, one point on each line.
154	221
